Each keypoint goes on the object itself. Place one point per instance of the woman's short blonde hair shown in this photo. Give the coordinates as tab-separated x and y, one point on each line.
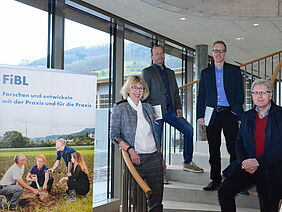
41	157
131	81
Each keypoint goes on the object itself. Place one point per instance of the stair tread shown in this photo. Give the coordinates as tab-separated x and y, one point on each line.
174	205
182	185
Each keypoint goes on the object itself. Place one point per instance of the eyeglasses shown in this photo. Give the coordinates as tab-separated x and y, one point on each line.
135	88
218	50
256	93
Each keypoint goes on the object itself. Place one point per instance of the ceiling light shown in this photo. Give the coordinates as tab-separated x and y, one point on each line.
255	24
239	38
182	19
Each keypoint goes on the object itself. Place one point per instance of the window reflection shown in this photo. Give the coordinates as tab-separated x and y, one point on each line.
24	35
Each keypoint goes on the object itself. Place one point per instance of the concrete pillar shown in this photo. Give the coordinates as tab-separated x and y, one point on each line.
201	62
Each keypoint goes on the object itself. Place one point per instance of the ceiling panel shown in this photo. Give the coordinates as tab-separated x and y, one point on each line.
258	41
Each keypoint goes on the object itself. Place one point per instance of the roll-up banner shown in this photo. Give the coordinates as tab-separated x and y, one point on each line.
41	111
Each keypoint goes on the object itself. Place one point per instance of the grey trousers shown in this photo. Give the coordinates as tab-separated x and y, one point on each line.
12	194
151	170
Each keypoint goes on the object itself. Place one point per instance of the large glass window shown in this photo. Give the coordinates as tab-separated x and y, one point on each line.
24	34
136	58
87	50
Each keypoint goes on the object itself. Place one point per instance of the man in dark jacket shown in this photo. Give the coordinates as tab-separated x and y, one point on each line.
220	90
164	93
259	153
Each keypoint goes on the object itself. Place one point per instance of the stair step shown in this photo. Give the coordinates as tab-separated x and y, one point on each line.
185	192
176	173
175	206
201	159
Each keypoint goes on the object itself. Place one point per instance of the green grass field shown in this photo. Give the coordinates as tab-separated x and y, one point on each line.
57	199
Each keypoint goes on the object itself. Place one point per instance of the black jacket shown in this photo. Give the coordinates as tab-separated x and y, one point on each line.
157	89
233	86
78	181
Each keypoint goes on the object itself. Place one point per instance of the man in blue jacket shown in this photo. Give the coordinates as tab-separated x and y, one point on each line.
259	153
220	88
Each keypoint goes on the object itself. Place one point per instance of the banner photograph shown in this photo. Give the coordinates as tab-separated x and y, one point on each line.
47	134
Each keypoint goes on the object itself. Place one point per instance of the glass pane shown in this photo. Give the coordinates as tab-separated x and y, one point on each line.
175	64
24	34
87	50
136	58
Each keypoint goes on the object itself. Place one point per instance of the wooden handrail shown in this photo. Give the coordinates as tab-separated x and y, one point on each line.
188	84
135	174
276	71
261	58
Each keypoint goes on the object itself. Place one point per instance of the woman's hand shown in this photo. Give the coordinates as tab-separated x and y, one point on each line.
44	187
123	145
134	156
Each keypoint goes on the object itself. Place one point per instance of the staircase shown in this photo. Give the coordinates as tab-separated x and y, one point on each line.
185	189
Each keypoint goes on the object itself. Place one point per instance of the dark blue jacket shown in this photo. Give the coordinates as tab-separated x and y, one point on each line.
245	144
271	160
233	86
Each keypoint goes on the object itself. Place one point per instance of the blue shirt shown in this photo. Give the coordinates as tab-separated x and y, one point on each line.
165	80
40	173
221	96
65	154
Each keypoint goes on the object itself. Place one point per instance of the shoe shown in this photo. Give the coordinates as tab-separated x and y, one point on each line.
212	186
192	167
166	181
244	193
72	196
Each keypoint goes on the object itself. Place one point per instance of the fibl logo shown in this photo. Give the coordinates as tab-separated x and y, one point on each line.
14	79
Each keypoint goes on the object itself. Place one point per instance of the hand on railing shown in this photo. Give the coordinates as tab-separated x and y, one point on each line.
135	174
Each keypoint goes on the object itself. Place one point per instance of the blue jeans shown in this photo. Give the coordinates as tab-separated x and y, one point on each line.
181	125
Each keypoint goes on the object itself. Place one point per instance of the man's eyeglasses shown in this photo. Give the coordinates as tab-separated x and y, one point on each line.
135	88
260	92
218	50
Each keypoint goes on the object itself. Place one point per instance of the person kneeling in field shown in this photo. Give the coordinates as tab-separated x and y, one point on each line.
38	176
12	184
77	180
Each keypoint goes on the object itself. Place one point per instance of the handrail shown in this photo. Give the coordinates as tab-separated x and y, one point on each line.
188	84
135	174
261	58
276	71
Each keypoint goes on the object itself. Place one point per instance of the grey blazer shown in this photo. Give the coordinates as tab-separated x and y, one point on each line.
157	90
124	123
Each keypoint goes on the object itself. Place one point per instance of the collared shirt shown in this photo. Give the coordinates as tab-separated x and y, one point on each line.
144	139
13	174
266	113
165	80
65	154
221	95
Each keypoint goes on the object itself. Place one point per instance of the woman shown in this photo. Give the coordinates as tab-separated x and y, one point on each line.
77	180
132	129
39	175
